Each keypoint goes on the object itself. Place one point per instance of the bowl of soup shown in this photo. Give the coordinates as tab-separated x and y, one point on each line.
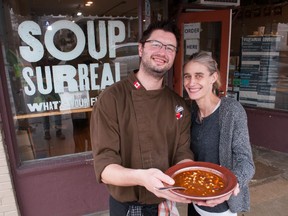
202	180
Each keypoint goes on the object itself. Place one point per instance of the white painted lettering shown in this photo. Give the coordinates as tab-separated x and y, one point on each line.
94	76
83	77
54	51
27	73
34	51
107	77
102	40
64	74
113	37
44	84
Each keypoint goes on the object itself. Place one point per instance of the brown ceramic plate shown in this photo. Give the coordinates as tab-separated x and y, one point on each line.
218	181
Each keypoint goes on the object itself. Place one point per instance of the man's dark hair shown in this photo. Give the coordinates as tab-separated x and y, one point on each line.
168	26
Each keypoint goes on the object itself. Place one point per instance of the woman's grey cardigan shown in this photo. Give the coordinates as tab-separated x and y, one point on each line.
235	150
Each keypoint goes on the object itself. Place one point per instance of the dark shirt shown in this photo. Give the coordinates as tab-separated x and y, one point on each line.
205	145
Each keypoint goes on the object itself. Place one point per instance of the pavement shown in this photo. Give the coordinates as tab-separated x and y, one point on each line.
268	188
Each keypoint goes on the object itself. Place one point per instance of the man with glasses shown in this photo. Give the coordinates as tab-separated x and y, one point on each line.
140	128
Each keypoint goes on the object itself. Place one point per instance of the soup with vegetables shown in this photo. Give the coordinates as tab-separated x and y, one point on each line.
200	183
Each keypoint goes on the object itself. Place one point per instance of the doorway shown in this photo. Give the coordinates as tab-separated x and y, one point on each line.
204	31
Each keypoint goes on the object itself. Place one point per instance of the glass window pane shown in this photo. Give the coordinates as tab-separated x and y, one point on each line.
57	65
258	67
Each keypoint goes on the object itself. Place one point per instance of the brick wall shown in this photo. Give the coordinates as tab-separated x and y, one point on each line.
8	205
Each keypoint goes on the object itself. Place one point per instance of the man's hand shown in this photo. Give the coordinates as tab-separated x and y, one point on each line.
151	179
154	179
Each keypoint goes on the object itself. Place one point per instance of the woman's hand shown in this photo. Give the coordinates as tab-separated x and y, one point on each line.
214	202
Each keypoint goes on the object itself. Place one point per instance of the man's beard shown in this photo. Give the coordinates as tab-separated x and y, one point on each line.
153	70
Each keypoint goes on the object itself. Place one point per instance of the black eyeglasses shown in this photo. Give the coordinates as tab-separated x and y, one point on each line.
157	45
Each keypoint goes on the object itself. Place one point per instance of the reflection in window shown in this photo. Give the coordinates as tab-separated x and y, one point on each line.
57	65
259	57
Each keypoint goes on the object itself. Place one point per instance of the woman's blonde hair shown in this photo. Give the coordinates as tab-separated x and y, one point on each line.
207	60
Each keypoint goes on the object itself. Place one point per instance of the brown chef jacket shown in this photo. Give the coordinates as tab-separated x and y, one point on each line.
139	129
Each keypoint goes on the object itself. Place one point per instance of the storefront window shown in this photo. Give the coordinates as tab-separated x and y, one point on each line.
259	56
57	65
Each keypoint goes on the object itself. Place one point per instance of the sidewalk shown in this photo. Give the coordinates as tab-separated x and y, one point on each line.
268	188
